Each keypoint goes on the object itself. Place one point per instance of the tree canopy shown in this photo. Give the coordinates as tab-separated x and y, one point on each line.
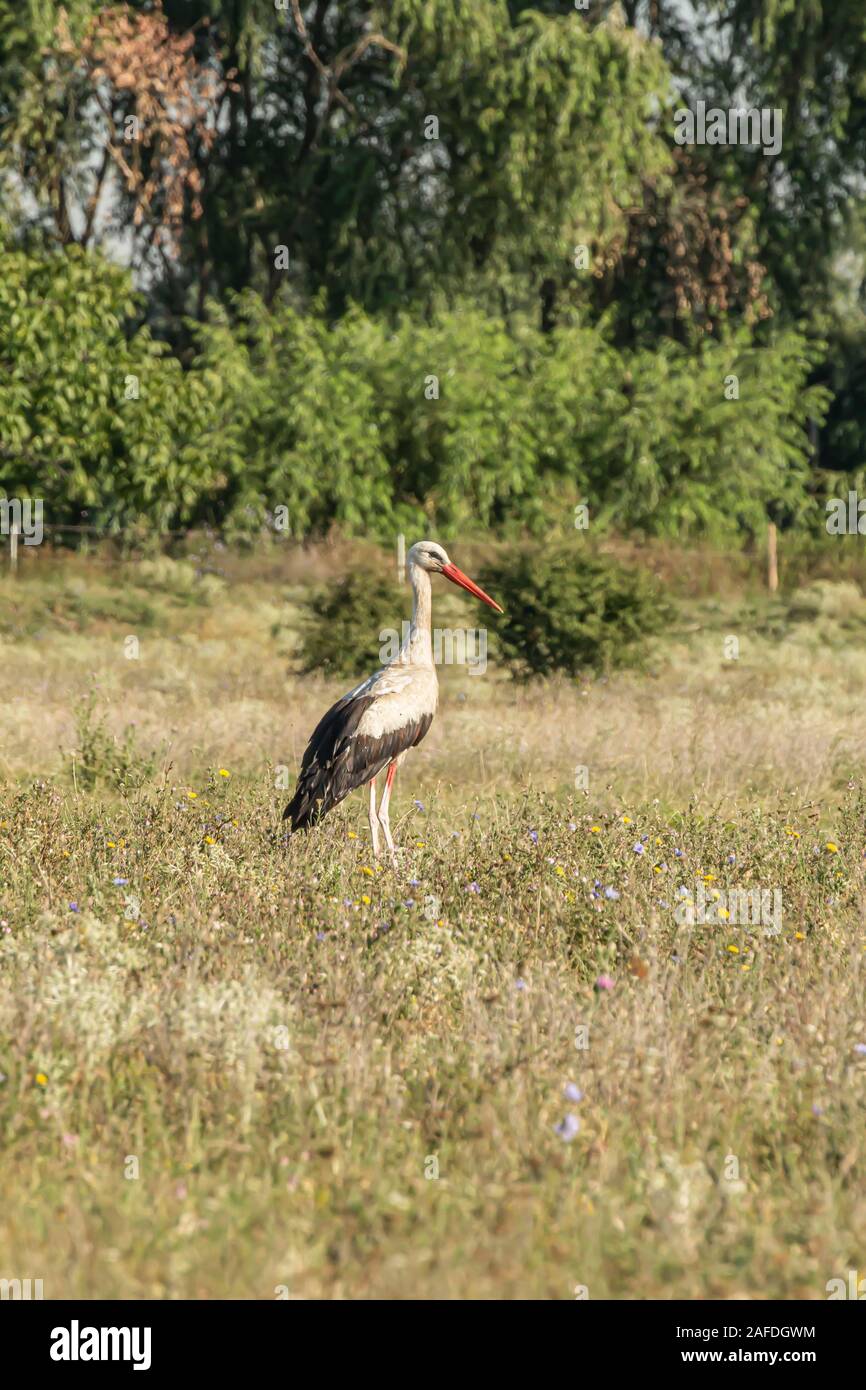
376	263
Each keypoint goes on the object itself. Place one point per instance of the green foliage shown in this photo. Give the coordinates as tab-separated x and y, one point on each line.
571	611
417	255
98	421
530	157
99	758
680	457
458	420
181	579
349	621
297	418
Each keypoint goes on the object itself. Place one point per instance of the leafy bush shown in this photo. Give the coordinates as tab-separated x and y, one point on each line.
181	579
571	611
344	620
99	422
100	758
464	421
457	418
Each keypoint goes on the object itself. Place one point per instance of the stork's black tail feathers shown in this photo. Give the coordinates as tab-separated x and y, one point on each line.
308	804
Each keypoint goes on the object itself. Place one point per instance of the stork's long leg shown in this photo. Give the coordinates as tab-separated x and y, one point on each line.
383	811
374	823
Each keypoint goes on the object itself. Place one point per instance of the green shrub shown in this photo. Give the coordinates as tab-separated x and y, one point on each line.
179	578
571	611
100	758
343	623
376	426
98	421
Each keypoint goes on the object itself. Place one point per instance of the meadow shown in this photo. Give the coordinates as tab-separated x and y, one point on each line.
234	1066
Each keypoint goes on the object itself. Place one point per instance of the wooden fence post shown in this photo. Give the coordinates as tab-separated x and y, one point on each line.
772	558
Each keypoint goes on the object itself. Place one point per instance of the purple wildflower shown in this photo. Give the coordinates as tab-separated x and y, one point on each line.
568	1128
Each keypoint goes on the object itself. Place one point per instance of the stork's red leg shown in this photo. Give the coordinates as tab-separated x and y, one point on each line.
383	810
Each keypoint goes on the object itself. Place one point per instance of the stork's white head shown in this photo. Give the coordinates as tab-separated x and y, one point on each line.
432	557
429	555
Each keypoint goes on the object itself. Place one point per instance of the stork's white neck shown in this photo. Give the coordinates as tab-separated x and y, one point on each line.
417	649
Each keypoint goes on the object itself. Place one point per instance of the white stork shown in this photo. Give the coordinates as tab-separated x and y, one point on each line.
376	724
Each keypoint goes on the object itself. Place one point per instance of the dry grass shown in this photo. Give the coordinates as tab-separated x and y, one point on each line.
289	1047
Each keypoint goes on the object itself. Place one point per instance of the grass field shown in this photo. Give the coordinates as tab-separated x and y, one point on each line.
233	1067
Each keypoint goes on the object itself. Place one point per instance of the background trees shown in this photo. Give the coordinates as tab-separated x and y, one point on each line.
287	219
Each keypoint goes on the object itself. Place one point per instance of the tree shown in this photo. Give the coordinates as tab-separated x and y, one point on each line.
98	421
109	107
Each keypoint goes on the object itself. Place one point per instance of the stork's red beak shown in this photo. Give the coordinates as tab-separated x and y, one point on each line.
458	577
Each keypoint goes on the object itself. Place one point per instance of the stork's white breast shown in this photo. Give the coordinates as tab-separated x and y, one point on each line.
401	696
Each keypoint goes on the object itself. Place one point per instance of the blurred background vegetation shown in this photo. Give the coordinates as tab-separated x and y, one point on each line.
305	266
